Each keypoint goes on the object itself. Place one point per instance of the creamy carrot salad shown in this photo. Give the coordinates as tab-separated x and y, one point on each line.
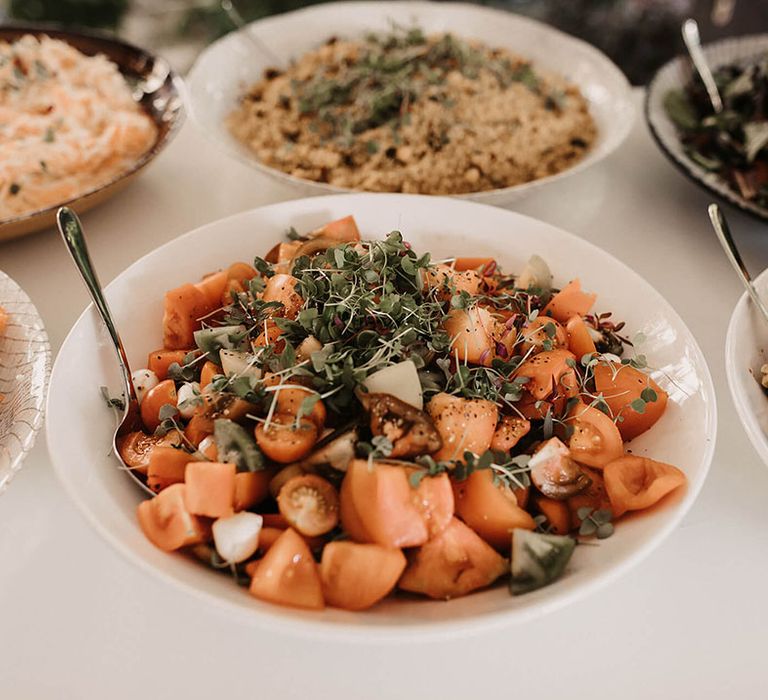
68	124
347	418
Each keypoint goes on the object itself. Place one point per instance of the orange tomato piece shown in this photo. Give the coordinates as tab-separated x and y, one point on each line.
479	265
620	385
267	537
208	372
351	522
282	253
269	336
136	448
288	575
283	440
452	564
282	288
463	424
569	301
533	409
557	513
382	504
356	576
289	402
595	440
541	330
447	281
342	230
433	498
241	272
213	286
490	509
310	504
471	332
185	306
580	342
549	374
158	396
509	431
210	488
166	521
231	290
166	466
634	483
160	360
251	488
198	428
4	320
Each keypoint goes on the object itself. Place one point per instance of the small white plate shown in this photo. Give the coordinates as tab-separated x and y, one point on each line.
25	363
746	350
80	426
229	66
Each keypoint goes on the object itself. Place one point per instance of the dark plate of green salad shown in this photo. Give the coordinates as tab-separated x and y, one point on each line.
727	152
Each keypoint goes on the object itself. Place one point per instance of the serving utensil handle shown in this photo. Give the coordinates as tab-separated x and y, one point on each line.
693	44
723	232
72	232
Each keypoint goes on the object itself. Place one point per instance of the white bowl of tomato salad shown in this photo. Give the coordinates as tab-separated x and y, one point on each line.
373	442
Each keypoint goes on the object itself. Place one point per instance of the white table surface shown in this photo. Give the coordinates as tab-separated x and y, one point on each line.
77	621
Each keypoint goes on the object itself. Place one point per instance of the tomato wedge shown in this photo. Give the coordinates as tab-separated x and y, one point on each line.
570	301
356	576
621	386
166	521
634	483
541	333
509	431
288	575
549	373
580	342
282	288
595	440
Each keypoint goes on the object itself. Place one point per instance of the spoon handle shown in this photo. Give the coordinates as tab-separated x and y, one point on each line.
693	44
732	252
72	233
238	21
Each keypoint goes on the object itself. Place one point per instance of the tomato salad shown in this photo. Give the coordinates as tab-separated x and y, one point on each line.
347	417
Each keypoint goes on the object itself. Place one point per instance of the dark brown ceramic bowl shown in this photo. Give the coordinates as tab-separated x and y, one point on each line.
156	87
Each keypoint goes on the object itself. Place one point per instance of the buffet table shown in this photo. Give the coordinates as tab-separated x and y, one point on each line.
78	621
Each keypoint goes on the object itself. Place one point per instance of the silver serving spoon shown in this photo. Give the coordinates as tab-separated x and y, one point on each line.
693	44
732	252
72	233
237	19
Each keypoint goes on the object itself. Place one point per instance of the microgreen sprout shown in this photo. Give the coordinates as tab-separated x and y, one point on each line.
595	522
